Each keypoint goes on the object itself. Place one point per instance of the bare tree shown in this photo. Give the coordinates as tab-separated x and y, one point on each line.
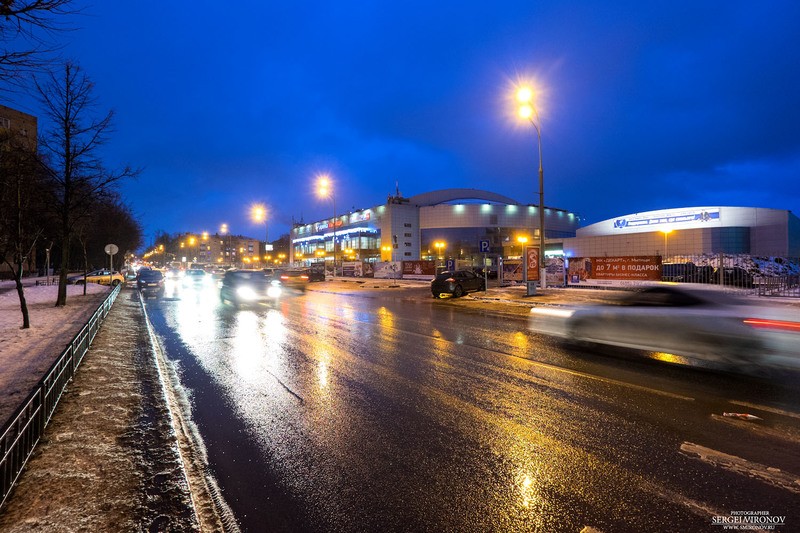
25	26
69	149
21	210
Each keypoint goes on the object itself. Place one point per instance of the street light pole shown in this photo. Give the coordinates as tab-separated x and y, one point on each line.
325	189
528	111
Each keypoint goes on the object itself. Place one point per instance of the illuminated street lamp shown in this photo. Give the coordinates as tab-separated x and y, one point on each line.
440	245
192	242
665	232
259	214
522	240
224	231
325	190
527	111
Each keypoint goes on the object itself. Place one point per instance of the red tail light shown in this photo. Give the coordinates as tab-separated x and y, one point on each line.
450	280
304	276
763	323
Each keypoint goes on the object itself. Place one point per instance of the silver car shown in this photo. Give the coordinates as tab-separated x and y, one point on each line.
702	323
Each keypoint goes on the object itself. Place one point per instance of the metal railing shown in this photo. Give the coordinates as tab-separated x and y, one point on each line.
785	286
22	431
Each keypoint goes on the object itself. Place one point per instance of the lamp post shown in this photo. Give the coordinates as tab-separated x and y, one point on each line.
527	110
665	232
325	190
440	245
223	229
259	214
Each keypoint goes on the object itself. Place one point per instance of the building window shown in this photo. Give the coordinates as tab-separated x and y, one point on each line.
408	235
408	245
407	254
407	225
5	123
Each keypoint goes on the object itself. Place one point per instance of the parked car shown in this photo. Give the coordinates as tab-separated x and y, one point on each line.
294	278
241	287
150	281
102	276
734	276
696	322
456	283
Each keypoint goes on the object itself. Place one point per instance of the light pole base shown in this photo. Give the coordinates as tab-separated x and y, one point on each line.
531	288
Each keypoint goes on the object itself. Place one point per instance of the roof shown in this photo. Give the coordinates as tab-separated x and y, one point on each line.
450	195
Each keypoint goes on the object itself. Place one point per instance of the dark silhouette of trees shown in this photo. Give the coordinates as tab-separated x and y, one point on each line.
69	152
22	208
25	29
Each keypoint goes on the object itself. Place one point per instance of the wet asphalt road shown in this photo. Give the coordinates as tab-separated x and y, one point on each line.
395	412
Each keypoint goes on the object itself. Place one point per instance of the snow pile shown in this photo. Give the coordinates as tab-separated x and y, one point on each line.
26	354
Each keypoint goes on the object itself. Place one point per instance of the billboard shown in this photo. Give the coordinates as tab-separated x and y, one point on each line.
613	271
388	270
424	269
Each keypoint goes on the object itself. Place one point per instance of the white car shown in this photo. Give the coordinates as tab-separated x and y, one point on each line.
703	323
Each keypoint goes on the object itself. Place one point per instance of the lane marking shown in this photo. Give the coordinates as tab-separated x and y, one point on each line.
766	408
732	463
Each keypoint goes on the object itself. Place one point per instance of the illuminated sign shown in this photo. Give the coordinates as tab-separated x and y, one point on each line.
670	218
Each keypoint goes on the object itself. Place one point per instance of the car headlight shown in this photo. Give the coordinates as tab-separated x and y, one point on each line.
274	291
246	293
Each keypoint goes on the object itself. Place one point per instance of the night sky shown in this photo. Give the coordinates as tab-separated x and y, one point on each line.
642	106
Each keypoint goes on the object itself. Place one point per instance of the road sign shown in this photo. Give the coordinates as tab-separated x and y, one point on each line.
484	246
111	249
451	264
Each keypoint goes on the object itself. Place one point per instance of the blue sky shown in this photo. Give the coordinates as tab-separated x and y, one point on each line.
644	105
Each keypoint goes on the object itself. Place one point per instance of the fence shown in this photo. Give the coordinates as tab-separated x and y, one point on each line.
766	276
22	431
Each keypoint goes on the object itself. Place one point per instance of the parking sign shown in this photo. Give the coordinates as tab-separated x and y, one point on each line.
484	246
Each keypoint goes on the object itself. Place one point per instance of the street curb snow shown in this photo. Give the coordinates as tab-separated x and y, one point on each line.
217	516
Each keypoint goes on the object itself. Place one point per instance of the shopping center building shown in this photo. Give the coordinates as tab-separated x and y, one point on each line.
451	223
691	231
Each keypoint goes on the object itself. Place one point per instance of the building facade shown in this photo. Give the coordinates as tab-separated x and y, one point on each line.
449	223
691	231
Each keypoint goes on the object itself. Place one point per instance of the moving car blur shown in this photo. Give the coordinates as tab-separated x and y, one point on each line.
294	278
456	283
196	277
241	287
702	323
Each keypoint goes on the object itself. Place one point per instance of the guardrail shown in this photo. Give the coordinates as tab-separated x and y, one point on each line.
785	286
21	433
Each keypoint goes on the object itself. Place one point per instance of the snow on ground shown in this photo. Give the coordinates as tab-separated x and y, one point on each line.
26	354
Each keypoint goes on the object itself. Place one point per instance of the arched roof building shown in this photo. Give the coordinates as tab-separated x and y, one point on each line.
406	228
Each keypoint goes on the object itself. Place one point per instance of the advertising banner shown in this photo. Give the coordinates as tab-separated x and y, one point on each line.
532	263
512	270
555	271
419	269
388	270
352	269
613	271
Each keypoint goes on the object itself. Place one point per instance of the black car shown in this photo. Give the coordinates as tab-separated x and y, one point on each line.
457	283
150	282
241	287
315	274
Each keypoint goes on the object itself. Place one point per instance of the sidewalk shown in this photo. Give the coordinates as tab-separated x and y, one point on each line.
110	460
